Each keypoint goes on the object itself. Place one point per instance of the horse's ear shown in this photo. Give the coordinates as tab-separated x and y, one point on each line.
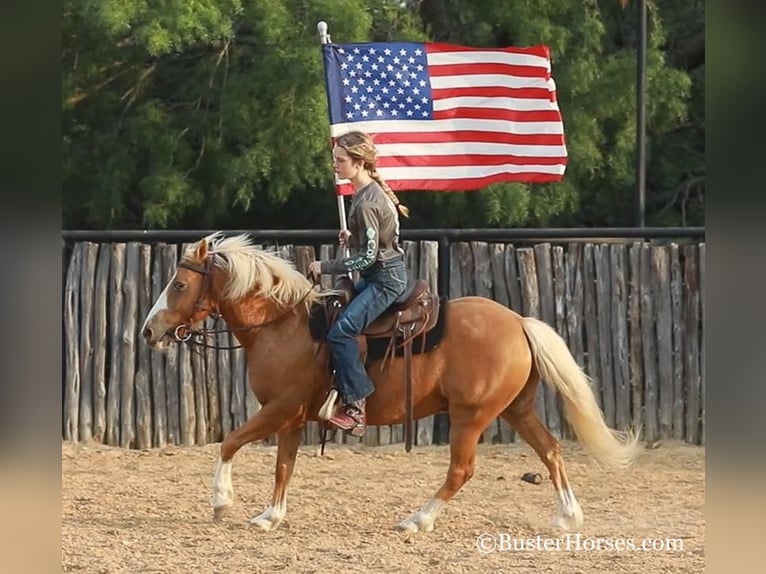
201	253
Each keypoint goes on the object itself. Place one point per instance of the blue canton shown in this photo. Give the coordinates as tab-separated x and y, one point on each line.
382	82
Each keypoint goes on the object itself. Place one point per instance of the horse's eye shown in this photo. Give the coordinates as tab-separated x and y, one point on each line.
179	286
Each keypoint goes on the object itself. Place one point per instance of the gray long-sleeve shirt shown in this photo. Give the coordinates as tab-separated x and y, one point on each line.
374	225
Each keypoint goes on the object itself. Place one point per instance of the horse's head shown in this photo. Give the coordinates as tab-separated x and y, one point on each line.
186	300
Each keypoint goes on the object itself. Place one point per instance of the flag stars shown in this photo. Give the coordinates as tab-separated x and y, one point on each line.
388	82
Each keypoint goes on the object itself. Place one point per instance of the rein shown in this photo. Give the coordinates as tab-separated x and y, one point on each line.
184	333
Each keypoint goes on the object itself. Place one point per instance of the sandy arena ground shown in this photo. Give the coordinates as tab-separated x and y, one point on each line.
148	511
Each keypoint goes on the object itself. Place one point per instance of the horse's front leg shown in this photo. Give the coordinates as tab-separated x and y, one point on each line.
287	448
266	422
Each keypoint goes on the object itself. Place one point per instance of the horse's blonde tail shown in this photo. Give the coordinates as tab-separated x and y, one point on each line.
557	367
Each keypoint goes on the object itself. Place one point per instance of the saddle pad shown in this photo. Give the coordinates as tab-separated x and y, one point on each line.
376	348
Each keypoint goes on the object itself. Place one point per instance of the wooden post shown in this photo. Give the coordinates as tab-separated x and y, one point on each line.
691	283
548	314
574	306
701	251
87	285
427	269
676	299
72	329
575	301
128	340
560	318
499	283
620	337
604	318
649	339
115	364
592	353
636	346
663	313
159	383
172	376
144	372
100	337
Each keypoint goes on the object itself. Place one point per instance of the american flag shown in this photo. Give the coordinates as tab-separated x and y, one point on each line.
446	117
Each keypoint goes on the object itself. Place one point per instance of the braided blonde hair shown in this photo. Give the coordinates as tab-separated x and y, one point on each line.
359	145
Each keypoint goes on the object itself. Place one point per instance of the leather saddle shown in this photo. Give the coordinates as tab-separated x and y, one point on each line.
413	314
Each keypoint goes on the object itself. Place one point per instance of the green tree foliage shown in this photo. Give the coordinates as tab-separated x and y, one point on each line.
212	113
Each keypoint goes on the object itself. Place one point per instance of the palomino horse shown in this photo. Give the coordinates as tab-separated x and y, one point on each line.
488	364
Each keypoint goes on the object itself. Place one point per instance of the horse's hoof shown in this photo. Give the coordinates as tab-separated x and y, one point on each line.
567	523
532	477
220	512
263	523
410	526
407	526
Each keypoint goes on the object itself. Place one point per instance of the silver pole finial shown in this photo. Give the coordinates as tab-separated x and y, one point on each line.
324	37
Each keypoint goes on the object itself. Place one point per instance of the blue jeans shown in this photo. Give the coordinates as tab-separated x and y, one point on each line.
375	292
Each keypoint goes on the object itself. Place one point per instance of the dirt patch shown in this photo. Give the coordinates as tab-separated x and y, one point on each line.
148	511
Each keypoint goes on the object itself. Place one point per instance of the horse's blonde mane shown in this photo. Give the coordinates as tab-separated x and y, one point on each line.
257	271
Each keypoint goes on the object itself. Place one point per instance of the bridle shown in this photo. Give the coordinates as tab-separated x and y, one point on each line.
184	333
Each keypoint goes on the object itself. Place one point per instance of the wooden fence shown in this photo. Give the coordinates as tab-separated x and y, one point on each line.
632	314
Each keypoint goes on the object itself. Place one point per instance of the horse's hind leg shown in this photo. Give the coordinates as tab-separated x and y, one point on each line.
524	420
464	436
287	449
266	422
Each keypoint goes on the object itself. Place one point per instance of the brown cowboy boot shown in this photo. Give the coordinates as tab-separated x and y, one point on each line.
351	418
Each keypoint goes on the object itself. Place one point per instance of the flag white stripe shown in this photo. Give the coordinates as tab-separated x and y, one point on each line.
451	125
451	58
470	148
487	81
495	102
464	171
391	174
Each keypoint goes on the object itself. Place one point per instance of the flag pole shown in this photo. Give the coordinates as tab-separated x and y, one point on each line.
324	38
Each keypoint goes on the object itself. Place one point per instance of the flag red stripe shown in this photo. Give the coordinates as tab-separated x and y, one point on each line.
437	47
458	184
465	159
476	69
494	91
498	114
468	136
